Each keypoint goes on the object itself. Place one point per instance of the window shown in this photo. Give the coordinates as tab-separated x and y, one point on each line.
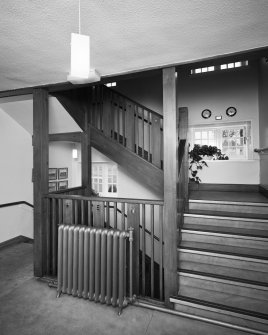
233	139
113	84
213	68
105	179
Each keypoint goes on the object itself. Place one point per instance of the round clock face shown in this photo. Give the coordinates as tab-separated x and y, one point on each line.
231	111
206	113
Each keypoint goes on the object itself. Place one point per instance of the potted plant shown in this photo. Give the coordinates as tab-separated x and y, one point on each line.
197	159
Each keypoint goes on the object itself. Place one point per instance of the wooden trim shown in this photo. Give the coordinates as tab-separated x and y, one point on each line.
223	187
9	204
40	176
63	86
15	240
263	190
69	137
170	160
105	199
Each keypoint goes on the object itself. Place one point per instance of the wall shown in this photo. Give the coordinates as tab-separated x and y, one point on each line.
127	186
60	156
15	178
263	107
146	90
16	221
218	91
16	161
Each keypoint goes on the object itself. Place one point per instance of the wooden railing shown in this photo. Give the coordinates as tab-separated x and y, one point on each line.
131	124
145	216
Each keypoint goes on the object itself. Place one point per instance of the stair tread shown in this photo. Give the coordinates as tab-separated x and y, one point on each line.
228	298
223	249
223	277
228	214
227	230
221	306
228	196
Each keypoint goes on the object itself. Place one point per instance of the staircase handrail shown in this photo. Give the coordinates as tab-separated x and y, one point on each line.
133	101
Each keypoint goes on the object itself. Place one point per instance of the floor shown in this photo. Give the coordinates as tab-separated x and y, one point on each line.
228	196
29	306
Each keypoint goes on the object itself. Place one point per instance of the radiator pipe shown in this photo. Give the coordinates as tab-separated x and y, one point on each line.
199	318
131	230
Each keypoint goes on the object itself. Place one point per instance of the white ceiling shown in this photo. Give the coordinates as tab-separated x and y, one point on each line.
126	35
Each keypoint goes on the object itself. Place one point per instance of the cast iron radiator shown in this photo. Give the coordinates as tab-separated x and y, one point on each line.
92	264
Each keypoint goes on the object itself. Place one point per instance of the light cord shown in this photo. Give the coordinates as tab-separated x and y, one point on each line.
79	18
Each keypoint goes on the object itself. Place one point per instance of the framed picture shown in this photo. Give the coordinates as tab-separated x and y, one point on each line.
62	185
52	174
63	173
52	186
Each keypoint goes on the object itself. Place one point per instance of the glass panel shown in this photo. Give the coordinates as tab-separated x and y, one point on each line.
204	134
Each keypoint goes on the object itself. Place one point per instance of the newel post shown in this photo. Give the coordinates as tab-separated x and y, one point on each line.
170	153
40	176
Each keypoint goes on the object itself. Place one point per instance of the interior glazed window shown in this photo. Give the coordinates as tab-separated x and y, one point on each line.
234	140
105	179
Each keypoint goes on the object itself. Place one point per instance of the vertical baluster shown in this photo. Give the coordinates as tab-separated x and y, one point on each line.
156	140
130	126
118	118
82	212
76	212
73	211
48	221
152	251
137	128
89	213
149	136
161	251
101	106
115	215
113	117
108	215
60	221
124	110
143	248
142	131
54	238
107	112
123	216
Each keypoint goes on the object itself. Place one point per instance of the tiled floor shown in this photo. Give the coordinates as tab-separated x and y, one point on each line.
28	306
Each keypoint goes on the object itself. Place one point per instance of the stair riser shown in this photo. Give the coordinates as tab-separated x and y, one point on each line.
242	269
206	312
228	207
224	298
203	222
212	284
228	241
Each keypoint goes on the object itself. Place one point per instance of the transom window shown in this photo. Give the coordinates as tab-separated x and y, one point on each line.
105	179
233	140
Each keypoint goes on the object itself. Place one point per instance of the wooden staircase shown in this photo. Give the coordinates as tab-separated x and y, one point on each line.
127	132
223	261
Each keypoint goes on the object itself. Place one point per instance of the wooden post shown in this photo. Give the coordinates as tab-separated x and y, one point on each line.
170	156
40	176
86	157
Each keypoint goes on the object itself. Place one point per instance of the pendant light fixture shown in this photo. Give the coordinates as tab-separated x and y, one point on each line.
81	72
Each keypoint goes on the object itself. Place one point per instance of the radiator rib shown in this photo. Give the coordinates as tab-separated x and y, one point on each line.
92	264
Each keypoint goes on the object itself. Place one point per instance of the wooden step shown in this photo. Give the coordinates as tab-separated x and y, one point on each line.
229	291
249	245
235	265
229	206
222	313
239	225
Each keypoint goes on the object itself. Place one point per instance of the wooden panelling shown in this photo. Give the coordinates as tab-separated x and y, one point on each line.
145	172
40	176
69	137
170	182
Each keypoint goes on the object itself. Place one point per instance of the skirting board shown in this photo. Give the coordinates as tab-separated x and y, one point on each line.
223	187
15	240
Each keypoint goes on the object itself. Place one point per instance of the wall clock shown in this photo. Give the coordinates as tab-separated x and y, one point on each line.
206	113
231	111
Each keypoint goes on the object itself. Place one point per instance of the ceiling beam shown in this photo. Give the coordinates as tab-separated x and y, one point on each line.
245	54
